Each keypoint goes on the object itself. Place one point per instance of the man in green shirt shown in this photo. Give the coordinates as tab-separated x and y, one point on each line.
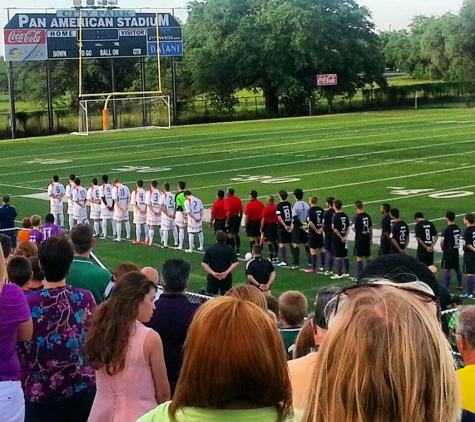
180	220
83	272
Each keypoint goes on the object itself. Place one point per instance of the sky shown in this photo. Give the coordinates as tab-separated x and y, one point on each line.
394	14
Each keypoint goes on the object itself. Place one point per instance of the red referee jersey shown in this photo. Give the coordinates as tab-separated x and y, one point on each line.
254	210
218	211
233	205
269	214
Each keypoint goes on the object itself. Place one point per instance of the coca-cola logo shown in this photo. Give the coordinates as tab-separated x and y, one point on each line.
329	79
25	36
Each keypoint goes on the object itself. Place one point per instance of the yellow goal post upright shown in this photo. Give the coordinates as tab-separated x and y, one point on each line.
137	109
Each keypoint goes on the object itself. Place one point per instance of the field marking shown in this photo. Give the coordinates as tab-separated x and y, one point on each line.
18	186
263	147
216	144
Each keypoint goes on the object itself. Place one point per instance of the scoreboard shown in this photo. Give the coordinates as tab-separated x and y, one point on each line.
94	34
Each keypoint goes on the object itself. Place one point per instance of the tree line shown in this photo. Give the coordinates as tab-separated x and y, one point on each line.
276	47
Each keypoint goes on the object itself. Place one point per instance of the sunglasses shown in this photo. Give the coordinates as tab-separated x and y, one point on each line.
426	297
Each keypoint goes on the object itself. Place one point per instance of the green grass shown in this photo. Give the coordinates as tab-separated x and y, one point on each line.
363	156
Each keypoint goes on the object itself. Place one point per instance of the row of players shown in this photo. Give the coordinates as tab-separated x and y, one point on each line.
151	208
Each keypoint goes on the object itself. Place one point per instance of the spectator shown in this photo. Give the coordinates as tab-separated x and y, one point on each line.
243	376
292	312
304	344
173	315
6	244
24	233
15	325
7	220
119	272
273	305
219	261
152	274
127	356
50	228
465	336
249	293
26	249
373	349
260	272
37	278
58	385
301	369
84	273
36	236
19	272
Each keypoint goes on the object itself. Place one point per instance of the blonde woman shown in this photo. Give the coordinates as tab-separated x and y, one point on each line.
242	376
384	358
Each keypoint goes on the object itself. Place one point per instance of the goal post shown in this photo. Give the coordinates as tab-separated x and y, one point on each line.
110	113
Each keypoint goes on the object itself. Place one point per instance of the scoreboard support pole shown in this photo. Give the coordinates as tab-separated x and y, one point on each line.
11	90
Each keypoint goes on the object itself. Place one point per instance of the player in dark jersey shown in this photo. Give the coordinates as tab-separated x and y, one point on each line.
328	232
399	233
469	252
426	236
385	244
341	225
363	228
269	228
315	234
450	244
299	223
284	221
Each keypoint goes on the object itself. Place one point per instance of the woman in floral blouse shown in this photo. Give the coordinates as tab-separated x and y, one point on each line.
59	386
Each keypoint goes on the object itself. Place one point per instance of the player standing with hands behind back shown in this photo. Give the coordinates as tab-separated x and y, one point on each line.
450	244
341	225
299	235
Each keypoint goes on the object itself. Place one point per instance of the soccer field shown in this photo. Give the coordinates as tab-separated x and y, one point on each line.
415	160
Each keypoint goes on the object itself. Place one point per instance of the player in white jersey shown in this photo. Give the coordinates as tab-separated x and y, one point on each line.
79	198
194	215
69	195
137	199
167	206
94	198
154	213
56	192
121	197
107	206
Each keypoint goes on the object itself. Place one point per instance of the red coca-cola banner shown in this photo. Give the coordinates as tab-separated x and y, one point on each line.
24	36
326	80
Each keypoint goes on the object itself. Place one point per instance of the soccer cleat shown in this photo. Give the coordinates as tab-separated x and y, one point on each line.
336	277
345	275
147	243
188	250
320	270
117	240
175	245
294	267
137	242
282	264
164	246
128	237
201	249
459	288
328	273
311	271
467	296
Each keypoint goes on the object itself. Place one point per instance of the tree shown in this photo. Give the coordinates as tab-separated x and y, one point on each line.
273	45
3	76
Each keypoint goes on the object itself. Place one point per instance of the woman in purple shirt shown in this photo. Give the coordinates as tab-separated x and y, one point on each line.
58	386
15	325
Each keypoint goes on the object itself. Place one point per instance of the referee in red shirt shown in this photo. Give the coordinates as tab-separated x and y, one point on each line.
233	208
253	218
269	228
218	213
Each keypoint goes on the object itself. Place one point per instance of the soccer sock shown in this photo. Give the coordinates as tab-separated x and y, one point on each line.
165	237
238	242
161	235
96	228
119	229
330	260
307	251
201	238
85	221
447	278
181	237
232	242
127	229
55	218
251	244
271	250
359	268
470	282
313	259
322	258
283	254
61	218
276	250
146	231
71	221
295	254
104	227
151	233
339	266
191	240
347	265
459	277
138	232
175	236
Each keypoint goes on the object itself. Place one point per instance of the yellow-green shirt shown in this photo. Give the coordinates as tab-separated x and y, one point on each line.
467	387
197	414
